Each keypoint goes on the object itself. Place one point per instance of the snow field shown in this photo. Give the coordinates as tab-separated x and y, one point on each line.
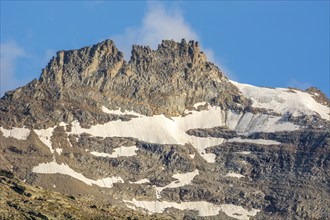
235	175
45	136
159	129
59	151
140	181
162	130
249	123
204	208
182	180
17	133
283	101
54	167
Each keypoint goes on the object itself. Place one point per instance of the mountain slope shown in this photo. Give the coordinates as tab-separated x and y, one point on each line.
22	201
168	133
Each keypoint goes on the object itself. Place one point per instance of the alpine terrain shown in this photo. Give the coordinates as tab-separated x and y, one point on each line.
165	135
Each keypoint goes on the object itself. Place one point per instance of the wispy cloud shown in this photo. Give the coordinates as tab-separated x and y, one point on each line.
10	53
161	23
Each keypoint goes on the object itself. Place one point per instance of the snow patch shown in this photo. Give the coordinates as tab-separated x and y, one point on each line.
204	208
45	136
182	180
235	175
238	212
201	143
69	142
63	124
54	167
17	133
118	152
196	105
282	101
58	150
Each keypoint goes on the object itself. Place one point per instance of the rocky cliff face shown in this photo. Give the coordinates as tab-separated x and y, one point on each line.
168	133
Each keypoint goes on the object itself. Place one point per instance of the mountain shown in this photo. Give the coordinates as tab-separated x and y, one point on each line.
167	132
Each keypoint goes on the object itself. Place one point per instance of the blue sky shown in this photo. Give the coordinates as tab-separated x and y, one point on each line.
264	43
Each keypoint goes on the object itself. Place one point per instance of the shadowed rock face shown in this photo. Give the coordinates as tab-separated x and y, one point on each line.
185	134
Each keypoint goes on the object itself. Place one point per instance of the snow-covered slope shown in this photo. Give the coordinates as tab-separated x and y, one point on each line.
162	130
283	100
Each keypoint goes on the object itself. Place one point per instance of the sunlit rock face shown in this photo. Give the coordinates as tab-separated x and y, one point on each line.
167	132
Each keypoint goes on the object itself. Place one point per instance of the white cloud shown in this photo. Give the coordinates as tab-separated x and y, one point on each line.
161	23
10	52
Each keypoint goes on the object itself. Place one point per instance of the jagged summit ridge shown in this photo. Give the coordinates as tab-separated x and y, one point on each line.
77	65
167	81
105	59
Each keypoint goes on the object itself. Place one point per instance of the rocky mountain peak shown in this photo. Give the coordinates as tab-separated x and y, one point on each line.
169	54
72	66
96	64
167	80
190	50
